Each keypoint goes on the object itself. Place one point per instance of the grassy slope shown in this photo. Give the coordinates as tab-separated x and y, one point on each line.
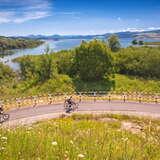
81	137
152	43
136	84
64	83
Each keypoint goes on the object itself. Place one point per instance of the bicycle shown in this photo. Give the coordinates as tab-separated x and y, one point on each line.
70	107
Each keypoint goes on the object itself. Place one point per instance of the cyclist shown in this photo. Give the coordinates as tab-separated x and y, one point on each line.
1	110
69	103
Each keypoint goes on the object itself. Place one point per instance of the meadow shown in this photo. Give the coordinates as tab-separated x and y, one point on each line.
89	137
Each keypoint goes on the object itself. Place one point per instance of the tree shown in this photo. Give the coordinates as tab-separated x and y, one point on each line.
141	42
47	68
93	61
134	42
47	49
6	73
65	62
139	61
114	44
39	69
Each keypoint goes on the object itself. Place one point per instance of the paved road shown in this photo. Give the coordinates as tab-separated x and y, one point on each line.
86	106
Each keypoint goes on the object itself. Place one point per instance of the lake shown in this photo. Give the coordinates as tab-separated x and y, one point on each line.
55	46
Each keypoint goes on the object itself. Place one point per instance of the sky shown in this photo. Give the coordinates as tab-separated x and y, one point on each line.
77	17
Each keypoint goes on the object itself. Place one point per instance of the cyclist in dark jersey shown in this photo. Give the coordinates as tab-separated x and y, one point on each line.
70	102
1	110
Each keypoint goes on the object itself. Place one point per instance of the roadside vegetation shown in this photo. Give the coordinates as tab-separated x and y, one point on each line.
133	84
94	65
142	61
83	137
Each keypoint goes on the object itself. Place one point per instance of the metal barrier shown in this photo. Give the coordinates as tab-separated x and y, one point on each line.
33	101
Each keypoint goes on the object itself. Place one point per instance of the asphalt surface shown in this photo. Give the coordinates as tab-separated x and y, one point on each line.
133	107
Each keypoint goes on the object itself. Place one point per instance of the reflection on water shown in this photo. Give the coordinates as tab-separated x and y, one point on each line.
54	45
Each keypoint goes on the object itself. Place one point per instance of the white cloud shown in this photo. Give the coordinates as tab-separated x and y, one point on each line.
67	13
31	16
153	28
5	17
133	30
21	11
140	29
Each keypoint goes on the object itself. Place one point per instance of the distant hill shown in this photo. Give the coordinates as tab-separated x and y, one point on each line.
148	34
128	34
7	43
144	34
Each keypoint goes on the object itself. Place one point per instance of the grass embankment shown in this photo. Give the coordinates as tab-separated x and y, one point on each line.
64	83
152	43
132	84
121	83
83	137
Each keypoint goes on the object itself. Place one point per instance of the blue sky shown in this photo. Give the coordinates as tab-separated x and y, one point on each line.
24	17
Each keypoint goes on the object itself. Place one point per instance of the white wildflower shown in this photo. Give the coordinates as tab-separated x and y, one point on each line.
3	138
54	143
124	139
71	142
80	155
2	148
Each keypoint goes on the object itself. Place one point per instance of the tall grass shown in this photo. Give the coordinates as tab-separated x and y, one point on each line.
79	137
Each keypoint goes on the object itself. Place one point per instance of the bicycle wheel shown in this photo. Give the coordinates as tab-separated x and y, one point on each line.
1	118
6	117
75	107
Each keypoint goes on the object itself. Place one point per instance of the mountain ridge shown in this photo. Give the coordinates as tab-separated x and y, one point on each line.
126	34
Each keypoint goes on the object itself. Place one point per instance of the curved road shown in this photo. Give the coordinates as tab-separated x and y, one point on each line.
30	115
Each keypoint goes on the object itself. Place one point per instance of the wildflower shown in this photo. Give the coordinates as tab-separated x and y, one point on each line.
2	148
65	155
71	142
3	138
80	155
118	130
54	143
124	139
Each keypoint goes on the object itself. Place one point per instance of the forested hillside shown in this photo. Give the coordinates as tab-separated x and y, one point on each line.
17	43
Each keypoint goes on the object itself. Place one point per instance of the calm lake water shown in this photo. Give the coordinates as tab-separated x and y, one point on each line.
54	45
